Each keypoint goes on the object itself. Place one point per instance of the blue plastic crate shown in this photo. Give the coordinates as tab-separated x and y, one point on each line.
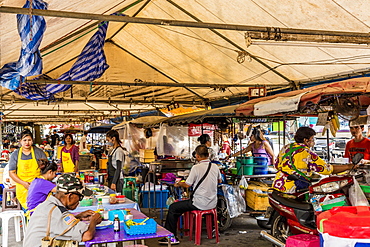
150	227
161	197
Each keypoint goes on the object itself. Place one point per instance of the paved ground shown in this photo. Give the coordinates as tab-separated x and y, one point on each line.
231	237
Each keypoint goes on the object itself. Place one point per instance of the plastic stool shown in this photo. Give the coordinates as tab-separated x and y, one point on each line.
198	214
18	217
303	240
184	228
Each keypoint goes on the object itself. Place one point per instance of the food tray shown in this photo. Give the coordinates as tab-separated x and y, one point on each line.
149	228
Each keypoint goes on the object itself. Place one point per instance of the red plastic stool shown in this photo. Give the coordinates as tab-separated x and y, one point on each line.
198	214
184	228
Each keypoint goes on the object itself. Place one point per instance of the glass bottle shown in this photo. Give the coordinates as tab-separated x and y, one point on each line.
116	224
100	208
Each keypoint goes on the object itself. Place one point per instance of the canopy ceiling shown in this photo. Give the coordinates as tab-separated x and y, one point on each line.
187	55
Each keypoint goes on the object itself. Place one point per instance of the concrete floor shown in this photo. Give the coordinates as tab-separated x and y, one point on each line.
232	237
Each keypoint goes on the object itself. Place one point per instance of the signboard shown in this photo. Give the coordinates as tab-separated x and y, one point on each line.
196	129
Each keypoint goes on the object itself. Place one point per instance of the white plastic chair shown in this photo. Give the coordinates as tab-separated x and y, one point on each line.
19	217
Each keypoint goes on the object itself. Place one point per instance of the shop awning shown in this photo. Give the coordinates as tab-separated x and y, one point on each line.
313	95
198	117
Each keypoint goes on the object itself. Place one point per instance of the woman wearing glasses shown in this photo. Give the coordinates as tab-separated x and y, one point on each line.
297	158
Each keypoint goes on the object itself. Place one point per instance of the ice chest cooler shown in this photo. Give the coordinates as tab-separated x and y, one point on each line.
345	227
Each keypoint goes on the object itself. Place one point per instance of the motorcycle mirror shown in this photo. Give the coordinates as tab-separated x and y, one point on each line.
357	158
293	177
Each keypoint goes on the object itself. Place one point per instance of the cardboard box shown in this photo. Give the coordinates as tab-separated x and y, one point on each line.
147	155
257	201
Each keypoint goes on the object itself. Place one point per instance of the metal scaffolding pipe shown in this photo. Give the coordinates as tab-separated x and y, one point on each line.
154	84
255	32
114	101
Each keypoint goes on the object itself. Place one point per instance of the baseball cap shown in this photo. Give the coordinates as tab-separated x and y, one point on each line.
67	183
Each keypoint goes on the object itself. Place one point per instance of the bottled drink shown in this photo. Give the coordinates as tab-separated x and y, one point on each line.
116	225
91	177
96	178
8	199
101	209
82	177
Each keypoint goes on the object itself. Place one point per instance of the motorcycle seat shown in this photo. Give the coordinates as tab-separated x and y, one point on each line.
292	203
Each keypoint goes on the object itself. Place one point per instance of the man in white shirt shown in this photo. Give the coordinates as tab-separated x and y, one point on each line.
205	196
83	140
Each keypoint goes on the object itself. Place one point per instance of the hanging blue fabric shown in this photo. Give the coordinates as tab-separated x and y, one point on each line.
34	91
31	30
90	64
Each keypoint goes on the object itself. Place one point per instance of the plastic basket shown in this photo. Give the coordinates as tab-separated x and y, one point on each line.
150	227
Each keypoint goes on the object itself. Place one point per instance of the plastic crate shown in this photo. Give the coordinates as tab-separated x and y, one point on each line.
150	227
161	197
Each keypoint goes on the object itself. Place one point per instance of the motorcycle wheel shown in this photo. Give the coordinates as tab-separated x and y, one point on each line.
223	216
264	224
280	229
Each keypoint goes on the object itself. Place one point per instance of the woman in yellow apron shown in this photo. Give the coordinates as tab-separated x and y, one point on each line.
23	166
69	155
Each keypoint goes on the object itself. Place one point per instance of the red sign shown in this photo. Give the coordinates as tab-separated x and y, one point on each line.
196	129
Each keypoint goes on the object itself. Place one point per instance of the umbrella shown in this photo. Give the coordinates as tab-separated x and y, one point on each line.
70	130
101	129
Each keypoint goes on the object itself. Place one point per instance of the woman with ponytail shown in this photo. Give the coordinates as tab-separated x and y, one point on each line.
42	187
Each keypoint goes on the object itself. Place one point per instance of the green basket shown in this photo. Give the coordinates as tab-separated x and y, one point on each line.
234	170
86	202
365	188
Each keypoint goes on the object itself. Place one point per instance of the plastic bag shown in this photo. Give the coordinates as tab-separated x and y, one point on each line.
233	199
243	184
356	195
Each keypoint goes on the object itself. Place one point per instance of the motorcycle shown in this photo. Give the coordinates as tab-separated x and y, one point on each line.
223	216
290	216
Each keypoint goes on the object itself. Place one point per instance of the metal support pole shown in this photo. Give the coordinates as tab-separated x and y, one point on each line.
255	32
139	83
327	145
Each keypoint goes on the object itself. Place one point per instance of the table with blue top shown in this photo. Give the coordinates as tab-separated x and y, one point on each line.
108	235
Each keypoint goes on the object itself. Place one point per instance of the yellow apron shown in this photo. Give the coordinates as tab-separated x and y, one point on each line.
27	170
68	165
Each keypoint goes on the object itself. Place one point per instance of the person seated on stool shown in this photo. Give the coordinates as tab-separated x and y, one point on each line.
70	192
204	198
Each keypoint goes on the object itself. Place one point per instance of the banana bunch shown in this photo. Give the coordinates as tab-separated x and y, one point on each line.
334	124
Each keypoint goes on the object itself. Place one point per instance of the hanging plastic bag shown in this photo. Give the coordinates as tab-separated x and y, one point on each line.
356	195
239	193
243	185
232	200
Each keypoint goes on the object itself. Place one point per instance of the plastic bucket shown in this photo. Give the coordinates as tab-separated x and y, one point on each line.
260	170
248	169
248	160
261	161
238	167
